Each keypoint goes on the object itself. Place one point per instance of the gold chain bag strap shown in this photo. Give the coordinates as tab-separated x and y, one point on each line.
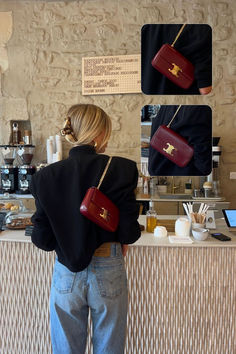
172	64
178	34
98	208
172	145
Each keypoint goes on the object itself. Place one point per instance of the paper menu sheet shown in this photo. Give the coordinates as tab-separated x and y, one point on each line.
111	74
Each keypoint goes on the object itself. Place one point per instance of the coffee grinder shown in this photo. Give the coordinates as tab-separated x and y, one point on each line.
9	173
26	170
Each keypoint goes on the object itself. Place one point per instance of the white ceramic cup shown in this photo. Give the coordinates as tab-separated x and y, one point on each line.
160	231
200	233
182	226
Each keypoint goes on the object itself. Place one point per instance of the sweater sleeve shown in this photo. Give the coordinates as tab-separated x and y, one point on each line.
128	229
195	125
199	130
200	44
42	235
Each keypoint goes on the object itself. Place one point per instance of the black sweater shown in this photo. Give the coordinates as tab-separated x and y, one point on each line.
194	43
58	190
194	123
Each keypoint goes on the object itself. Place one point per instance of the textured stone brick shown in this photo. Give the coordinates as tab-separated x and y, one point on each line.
48	39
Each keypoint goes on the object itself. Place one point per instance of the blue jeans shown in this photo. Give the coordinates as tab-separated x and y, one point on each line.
102	287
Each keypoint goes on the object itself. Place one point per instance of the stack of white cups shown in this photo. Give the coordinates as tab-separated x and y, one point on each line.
54	149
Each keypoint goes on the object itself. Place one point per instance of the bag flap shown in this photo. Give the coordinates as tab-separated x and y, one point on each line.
165	136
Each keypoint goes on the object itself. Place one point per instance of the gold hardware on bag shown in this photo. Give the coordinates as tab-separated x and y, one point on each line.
104	214
174	71
170	149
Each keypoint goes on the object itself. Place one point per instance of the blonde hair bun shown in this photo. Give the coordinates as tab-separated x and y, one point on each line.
87	121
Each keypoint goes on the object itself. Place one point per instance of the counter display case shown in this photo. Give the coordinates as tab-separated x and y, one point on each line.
18	220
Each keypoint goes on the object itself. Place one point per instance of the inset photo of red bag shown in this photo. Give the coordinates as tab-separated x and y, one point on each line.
176	59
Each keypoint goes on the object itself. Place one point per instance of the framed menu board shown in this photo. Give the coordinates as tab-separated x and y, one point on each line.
111	74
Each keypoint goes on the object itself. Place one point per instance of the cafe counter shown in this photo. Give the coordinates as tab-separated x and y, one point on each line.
181	296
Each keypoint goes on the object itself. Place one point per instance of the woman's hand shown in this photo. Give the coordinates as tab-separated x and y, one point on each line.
124	249
205	90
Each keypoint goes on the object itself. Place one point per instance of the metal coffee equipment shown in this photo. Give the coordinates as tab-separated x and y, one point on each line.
214	177
26	170
9	173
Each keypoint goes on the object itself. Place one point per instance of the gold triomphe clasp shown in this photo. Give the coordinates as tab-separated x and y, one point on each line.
104	213
169	149
175	70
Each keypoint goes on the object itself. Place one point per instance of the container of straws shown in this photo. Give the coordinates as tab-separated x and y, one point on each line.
198	219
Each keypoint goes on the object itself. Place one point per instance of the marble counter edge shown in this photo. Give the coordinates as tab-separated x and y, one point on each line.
17	196
145	198
149	240
184	200
14	236
146	239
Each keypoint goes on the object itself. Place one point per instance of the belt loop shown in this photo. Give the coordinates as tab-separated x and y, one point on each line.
117	249
113	250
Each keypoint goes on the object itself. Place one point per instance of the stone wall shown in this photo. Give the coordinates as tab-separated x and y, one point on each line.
42	44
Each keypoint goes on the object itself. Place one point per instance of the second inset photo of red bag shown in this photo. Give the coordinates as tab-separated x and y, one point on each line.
177	140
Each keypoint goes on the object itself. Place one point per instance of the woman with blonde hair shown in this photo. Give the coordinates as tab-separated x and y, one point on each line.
89	270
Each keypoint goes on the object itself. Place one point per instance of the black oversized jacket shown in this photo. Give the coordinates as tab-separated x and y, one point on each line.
58	190
194	123
194	43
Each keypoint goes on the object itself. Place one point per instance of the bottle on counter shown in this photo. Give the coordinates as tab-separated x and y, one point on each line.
151	218
146	186
15	133
140	185
153	186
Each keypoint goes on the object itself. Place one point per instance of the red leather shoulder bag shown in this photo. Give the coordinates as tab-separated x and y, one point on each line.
172	145
172	64
98	208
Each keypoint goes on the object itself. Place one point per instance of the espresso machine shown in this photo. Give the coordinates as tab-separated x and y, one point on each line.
214	177
9	173
26	170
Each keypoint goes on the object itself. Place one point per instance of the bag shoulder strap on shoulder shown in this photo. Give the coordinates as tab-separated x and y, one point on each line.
104	172
178	34
168	126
